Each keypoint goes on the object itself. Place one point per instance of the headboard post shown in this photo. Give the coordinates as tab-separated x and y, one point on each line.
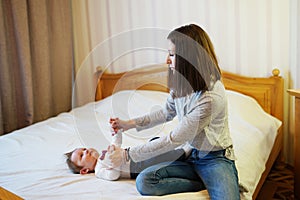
267	91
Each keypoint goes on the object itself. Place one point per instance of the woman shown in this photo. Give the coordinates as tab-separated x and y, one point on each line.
197	97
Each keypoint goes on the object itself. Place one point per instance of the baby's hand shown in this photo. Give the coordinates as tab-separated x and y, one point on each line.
103	154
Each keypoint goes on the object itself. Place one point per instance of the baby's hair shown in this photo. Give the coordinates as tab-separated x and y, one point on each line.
72	166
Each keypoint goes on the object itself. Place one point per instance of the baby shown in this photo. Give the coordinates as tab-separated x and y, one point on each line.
102	168
88	160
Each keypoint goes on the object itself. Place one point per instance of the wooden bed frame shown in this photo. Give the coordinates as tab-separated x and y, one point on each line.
267	91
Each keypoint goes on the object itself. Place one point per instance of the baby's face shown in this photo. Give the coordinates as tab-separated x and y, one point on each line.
85	157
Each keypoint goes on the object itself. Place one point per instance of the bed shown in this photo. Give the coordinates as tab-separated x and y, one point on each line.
32	161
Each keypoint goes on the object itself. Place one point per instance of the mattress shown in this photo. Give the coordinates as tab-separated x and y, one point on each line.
33	163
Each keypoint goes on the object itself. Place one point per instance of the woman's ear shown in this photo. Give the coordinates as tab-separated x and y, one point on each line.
84	170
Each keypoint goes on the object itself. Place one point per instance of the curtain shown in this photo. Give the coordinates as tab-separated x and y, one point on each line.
35	61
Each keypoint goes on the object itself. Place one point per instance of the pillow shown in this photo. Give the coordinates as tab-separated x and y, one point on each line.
248	109
253	132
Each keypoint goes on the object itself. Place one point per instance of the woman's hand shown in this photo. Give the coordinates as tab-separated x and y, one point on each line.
118	124
116	156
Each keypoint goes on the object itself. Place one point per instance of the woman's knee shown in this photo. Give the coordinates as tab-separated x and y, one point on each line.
143	185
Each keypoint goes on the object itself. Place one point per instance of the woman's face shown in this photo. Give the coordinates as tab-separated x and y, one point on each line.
171	56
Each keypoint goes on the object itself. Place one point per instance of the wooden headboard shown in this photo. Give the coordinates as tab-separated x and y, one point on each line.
267	91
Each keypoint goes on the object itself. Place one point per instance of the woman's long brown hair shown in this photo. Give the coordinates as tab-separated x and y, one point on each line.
196	65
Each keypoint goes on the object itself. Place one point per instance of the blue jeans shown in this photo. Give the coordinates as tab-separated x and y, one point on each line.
201	170
168	157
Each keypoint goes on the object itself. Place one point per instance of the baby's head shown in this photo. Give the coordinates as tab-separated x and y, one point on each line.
82	160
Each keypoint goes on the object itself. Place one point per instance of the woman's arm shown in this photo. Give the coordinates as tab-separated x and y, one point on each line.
119	125
149	120
187	129
157	117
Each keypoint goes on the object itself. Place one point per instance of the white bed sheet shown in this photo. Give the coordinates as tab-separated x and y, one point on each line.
33	166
